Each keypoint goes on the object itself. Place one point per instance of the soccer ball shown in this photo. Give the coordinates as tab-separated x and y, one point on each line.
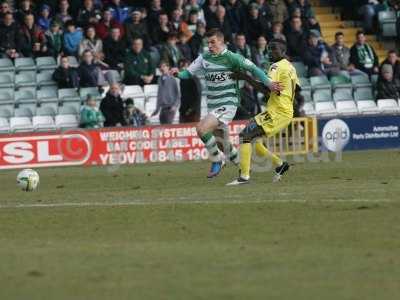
28	180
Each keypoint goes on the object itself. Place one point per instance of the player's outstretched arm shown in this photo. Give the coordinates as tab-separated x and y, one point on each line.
257	85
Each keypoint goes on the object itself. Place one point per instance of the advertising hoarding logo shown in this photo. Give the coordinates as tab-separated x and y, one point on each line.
335	135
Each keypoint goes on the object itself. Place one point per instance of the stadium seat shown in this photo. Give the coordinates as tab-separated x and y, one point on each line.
374	79
306	95
309	109
367	107
46	63
342	95
7	95
28	105
53	105
25	79
43	123
68	109
46	111
6	80
325	109
150	107
4	125
6	110
24	64
322	96
66	121
150	90
23	112
305	84
155	57
47	94
6	65
20	124
387	23
301	69
360	81
132	91
113	76
363	94
388	106
68	95
320	82
340	82
25	95
389	29
45	78
73	62
93	91
346	108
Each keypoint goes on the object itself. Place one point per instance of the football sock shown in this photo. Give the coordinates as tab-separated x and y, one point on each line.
211	144
262	151
233	154
245	160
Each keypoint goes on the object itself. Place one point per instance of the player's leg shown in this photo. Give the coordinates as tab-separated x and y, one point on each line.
205	130
224	144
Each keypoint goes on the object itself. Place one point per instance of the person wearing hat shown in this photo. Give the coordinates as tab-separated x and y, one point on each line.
318	56
134	116
91	116
54	37
135	27
386	86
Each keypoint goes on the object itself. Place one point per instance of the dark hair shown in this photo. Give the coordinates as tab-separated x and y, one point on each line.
359	32
172	35
69	23
280	43
392	51
129	101
241	34
338	34
215	32
164	62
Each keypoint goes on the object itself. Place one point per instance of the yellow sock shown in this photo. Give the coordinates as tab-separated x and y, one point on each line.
245	160
261	150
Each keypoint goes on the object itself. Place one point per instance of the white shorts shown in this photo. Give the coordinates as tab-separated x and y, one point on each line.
224	114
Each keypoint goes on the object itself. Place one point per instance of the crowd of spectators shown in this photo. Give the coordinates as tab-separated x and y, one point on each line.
133	38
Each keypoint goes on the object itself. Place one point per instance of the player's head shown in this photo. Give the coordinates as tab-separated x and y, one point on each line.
277	49
215	39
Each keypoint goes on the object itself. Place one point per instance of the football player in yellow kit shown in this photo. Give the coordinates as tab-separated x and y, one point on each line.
278	115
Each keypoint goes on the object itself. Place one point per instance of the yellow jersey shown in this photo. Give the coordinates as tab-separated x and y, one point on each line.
285	73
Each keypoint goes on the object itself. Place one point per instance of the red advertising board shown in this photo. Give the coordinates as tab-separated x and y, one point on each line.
107	146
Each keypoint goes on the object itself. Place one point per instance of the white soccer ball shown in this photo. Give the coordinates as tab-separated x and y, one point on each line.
28	180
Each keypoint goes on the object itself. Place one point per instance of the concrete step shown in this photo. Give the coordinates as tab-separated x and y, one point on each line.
332	24
327	18
322	10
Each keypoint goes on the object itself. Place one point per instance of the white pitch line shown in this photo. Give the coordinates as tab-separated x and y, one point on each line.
166	202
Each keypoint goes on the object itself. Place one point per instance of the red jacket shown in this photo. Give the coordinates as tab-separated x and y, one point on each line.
103	31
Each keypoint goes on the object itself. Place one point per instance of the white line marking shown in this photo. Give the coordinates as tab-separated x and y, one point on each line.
184	201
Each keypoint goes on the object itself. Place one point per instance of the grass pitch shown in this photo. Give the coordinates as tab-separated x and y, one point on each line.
163	231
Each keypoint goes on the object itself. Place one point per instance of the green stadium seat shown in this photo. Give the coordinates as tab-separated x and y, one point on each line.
68	95
23	112
71	108
7	95
6	110
320	82
360	81
6	65
307	95
342	95
24	64
25	79
27	95
46	111
322	96
341	82
305	83
45	78
301	69
46	63
7	80
93	91
362	94
47	94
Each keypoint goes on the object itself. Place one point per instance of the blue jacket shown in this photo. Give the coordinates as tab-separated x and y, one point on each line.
72	41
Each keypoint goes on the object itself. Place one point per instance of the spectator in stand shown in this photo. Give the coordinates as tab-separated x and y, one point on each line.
221	23
66	76
318	57
104	27
306	10
193	20
171	52
278	11
393	60
248	103
114	50
90	74
119	11
135	27
277	31
88	14
386	86
25	8
368	10
54	39
63	15
184	47
32	40
210	11
260	53
194	7
72	39
198	42
255	24
91	116
240	46
112	107
179	24
189	110
168	96
138	65
9	33
154	12
134	116
44	19
161	30
296	39
263	8
93	44
235	13
363	56
312	24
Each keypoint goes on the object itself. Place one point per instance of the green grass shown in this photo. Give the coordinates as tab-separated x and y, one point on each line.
329	231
